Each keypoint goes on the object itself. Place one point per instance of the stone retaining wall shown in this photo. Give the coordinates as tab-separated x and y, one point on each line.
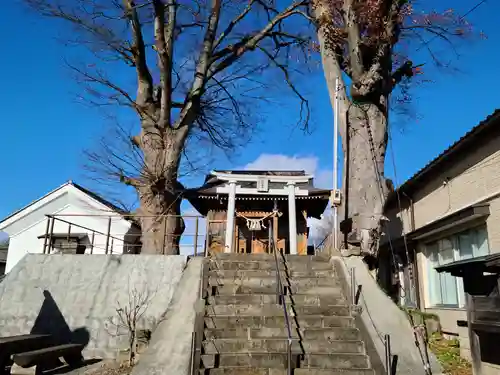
76	297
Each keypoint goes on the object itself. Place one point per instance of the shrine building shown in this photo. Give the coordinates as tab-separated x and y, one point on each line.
244	209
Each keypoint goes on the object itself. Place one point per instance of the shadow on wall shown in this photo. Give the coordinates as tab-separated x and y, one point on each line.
51	321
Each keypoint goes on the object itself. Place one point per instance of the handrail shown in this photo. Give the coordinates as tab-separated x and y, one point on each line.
280	299
197	335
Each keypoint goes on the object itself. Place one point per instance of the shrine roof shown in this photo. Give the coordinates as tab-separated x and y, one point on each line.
262	173
207	196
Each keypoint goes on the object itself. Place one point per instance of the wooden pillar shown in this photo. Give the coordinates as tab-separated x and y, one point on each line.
231	205
236	243
303	236
292	219
474	344
275	231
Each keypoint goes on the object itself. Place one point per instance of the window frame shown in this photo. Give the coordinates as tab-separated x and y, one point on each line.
455	241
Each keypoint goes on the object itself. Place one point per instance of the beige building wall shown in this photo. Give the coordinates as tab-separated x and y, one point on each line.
472	180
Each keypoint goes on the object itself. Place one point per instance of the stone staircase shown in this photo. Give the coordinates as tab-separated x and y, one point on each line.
245	329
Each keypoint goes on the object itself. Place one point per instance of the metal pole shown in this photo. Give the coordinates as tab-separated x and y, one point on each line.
289	359
278	276
193	350
196	237
46	235
388	359
107	236
50	234
335	164
92	243
353	286
164	239
207	234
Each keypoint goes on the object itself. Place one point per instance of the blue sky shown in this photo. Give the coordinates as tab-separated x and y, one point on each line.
44	129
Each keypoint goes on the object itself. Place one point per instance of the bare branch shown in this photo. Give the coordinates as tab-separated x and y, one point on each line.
144	79
304	103
231	54
233	23
164	47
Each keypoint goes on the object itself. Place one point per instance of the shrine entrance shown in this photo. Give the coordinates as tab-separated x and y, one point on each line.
240	207
252	232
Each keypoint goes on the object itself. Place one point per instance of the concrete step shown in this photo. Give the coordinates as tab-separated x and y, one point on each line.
259	265
331	333
277	310
299	299
270	273
271	281
254	288
336	361
281	346
277	321
342	371
275	371
279	360
217	346
308	334
269	257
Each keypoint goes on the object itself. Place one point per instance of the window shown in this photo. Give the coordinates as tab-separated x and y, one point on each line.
443	289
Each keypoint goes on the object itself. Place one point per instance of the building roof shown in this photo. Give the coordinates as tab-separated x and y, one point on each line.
263	173
455	152
205	197
77	186
485	263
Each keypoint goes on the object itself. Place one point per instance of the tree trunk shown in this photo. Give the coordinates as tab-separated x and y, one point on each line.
367	190
363	129
160	193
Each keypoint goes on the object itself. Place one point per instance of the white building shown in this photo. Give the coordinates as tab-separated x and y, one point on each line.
69	219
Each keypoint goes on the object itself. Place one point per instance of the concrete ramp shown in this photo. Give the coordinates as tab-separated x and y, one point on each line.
76	297
169	352
380	316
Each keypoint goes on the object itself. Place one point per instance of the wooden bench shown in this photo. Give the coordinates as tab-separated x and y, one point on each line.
16	344
72	354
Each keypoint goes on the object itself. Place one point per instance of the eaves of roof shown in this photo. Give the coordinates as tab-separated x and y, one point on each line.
467	143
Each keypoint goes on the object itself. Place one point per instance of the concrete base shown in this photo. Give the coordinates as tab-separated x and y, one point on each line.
169	351
18	370
380	315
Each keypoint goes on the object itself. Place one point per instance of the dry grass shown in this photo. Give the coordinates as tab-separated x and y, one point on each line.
111	369
448	354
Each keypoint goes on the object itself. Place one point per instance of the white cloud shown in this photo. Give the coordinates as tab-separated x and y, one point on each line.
280	162
323	178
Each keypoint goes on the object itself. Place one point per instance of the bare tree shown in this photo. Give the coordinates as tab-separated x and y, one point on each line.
128	317
363	44
193	63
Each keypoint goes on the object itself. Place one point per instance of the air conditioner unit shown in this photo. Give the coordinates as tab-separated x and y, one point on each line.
262	185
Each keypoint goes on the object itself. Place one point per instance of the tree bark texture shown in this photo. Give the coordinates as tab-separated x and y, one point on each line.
160	198
366	190
363	130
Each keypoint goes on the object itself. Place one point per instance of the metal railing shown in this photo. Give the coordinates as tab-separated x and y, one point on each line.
106	234
281	300
197	335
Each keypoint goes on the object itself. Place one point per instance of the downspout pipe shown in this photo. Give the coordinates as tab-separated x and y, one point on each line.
415	264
